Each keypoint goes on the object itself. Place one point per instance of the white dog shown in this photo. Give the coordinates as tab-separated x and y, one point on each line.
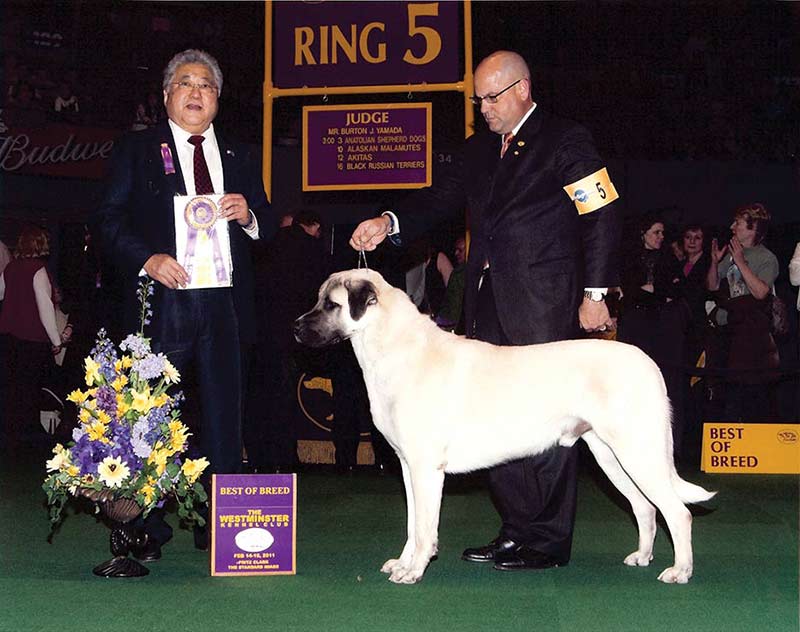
440	400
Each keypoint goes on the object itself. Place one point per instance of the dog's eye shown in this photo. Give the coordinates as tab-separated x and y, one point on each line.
329	305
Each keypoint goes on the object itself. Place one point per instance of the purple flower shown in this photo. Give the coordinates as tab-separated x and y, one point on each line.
137	345
149	367
107	400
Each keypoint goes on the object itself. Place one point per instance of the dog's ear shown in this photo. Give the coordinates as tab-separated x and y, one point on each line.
360	296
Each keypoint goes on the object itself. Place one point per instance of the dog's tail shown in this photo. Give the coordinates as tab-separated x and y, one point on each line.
689	492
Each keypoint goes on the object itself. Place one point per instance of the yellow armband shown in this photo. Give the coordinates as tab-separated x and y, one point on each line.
592	192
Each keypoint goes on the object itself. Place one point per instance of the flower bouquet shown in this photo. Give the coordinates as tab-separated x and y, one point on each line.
129	442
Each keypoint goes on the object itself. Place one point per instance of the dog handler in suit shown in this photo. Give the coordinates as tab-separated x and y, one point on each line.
199	327
545	239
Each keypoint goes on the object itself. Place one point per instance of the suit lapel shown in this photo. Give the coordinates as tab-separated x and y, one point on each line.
507	168
173	182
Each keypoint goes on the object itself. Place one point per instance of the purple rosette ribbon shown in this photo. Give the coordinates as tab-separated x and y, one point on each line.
201	215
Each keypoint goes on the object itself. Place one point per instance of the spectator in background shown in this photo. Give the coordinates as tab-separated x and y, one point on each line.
148	113
5	256
449	315
742	275
29	332
692	290
692	286
794	270
66	102
652	316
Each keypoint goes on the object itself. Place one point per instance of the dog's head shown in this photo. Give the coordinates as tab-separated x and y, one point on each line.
343	308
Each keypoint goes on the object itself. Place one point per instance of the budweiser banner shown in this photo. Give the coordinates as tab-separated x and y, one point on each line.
56	149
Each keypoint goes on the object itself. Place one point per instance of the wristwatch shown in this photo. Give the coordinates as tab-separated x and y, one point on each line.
594	295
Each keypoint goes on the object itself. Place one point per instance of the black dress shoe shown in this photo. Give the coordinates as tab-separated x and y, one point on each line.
489	552
149	552
525	558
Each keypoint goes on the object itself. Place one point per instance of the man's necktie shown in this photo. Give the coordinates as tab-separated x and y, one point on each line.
202	179
507	138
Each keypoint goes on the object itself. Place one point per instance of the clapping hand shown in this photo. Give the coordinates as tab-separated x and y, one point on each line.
718	253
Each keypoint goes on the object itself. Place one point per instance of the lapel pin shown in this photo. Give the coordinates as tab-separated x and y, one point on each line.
230	153
520	143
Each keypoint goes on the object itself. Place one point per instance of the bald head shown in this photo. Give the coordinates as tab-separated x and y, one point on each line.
493	76
506	64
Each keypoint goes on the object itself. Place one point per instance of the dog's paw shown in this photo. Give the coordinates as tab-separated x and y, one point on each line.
405	576
637	558
389	566
675	575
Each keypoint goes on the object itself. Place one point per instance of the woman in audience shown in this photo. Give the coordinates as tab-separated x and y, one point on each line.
742	275
29	331
650	316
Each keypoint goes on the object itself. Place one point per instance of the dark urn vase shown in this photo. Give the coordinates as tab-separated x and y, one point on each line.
124	537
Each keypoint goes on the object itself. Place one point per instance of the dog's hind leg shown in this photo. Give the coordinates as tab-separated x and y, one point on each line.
679	520
404	561
426	483
643	510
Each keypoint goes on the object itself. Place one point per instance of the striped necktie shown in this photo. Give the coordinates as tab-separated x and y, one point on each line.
507	138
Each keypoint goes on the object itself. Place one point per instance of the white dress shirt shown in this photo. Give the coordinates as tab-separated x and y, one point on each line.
213	160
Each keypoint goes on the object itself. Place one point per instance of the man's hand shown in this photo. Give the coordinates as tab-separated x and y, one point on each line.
594	316
369	233
166	271
233	206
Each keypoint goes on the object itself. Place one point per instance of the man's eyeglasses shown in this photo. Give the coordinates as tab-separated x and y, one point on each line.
206	88
491	98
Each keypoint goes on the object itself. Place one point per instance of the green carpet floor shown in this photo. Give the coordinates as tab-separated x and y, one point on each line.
745	548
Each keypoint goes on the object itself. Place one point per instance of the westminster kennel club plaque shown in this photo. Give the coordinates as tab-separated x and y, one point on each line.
253	524
202	243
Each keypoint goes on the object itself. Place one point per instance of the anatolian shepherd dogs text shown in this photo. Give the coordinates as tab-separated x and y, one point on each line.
440	400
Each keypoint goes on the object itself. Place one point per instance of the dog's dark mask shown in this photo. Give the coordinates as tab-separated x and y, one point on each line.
360	295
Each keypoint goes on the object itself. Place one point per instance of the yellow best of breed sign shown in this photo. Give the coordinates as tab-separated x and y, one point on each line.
738	448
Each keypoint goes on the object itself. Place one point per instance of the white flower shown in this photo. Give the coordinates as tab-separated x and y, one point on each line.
60	460
113	471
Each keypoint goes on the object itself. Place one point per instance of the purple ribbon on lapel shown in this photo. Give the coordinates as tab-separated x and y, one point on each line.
166	158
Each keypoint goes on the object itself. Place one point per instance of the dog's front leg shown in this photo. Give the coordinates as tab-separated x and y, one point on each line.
399	565
426	486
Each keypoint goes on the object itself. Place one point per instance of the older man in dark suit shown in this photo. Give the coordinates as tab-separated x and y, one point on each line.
545	235
202	328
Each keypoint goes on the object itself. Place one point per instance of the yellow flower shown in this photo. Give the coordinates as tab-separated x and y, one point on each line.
127	362
119	382
102	417
73	470
159	401
171	375
193	468
77	396
60	460
158	457
149	493
85	415
178	436
142	402
122	406
92	371
113	471
97	431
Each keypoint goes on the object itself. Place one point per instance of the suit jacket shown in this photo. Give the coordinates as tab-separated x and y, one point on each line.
136	219
541	251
